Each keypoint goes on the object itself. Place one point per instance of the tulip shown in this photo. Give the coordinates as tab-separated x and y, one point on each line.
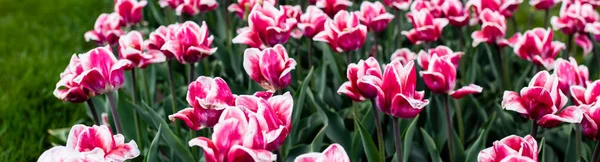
589	123
96	143
131	48
506	8
403	55
536	46
334	153
270	68
102	72
267	26
573	19
426	28
586	96
511	148
543	4
70	89
343	33
434	7
243	7
398	4
160	36
194	7
332	7
456	14
208	98
192	43
312	21
569	74
442	52
396	91
541	102
374	16
493	29
171	3
356	88
130	11
107	29
294	12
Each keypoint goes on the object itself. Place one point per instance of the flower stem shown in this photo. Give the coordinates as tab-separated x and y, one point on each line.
136	119
310	44
514	24
90	104
397	139
594	49
578	140
546	14
173	100
534	128
596	150
113	110
379	129
568	49
348	58
450	132
192	74
399	21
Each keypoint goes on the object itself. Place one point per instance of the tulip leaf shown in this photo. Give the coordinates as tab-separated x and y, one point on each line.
368	145
431	148
478	145
336	129
408	138
571	148
315	146
152	154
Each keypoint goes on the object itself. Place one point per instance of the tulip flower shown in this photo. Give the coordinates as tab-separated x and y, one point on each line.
586	96
374	16
107	29
270	68
343	33
573	19
334	153
589	122
456	14
96	143
192	43
356	88
208	98
543	4
398	4
294	12
569	74
536	45
267	26
130	11
511	148
541	102
236	137
194	7
160	36
70	89
312	21
493	29
131	48
434	7
243	7
426	28
506	8
404	55
102	72
332	7
171	3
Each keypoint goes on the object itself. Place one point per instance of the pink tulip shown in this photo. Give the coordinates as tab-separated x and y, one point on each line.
343	33
332	7
543	4
243	7
592	28
107	29
171	3
102	72
374	16
312	21
493	29
396	91
355	88
69	89
160	36
236	137
511	149
426	28
586	96
270	68
456	14
398	4
131	48
96	143
404	55
267	26
541	102
334	153
192	43
505	8
433	6
443	52
130	11
589	124
569	74
294	12
536	45
574	19
194	7
208	98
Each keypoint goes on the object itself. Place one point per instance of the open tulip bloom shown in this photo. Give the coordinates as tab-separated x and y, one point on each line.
194	7
130	10
511	149
191	43
426	28
270	67
243	7
536	45
374	16
334	153
573	19
107	29
343	33
131	47
267	27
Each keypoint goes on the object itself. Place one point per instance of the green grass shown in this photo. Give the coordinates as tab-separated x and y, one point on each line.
37	39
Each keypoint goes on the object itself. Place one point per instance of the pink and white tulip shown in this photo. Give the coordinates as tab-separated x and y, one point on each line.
131	47
107	30
130	11
404	55
192	43
160	36
294	12
455	12
270	67
356	88
536	46
267	27
102	72
396	91
573	20
334	153
398	4
194	7
433	6
332	7
243	7
374	16
343	33
171	3
586	96
543	4
70	89
590	123
426	28
506	8
493	29
312	21
570	74
511	149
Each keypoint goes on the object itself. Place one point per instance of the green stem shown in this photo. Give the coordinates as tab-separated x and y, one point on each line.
192	75
173	100
450	131
92	109
493	64
379	129
399	24
113	110
596	150
459	120
310	44
546	15
568	49
397	139
135	114
578	140
534	128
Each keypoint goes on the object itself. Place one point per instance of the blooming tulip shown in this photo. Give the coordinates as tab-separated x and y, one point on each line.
374	16
442	52
541	102
434	7
130	10
171	3
274	114
96	143
332	7
493	29
404	55
426	28
131	48
354	88
294	12
334	153
102	72
586	96
543	4
398	4
312	21
270	68
505	8
456	14
267	26
343	33
536	45
589	123
107	29
69	89
511	148
569	74
160	36
208	98
194	7
243	7
573	19
191	44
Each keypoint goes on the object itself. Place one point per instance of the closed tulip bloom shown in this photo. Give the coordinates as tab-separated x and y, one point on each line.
192	43
332	7
130	11
194	7
455	12
160	36
536	46
107	30
506	8
131	47
343	33
208	98
171	3
586	96
398	4
404	55
543	4
243	7
270	68
374	16
333	153
96	143
426	28
69	89
294	12
267	26
570	74
102	72
511	149
493	29
541	102
355	88
312	21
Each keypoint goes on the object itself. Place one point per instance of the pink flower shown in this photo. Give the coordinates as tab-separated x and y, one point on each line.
160	36
504	7
267	27
194	7
398	4
102	72
569	74
344	33
493	28
96	143
543	4
243	7
192	43
374	16
237	137
540	101
355	88
131	48
574	17
586	96
426	28
208	98
536	45
589	123
171	3
312	22
511	148
442	52
270	68
332	7
456	14
294	12
107	29
433	6
130	11
334	153
69	89
404	55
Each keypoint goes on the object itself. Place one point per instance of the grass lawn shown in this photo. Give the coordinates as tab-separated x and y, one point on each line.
37	39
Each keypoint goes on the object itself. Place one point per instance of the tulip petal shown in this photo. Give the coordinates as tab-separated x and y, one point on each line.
585	43
191	119
209	148
470	89
570	114
512	101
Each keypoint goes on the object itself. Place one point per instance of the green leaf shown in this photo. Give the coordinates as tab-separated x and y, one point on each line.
152	154
408	139
316	144
368	144
431	148
336	129
571	148
478	145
